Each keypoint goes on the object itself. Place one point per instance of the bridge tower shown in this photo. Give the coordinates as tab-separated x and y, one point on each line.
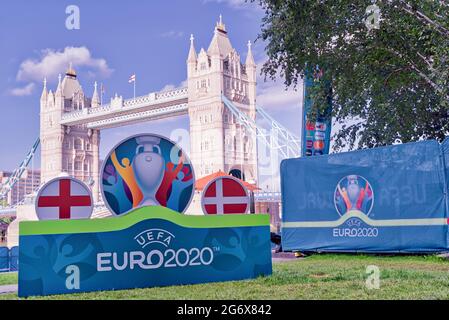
74	149
217	141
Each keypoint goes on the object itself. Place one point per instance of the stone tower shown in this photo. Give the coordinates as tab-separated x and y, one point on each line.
217	141
74	150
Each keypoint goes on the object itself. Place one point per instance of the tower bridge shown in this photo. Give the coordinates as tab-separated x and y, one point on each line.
154	106
220	101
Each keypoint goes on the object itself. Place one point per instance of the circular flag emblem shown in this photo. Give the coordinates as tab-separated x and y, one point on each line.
64	198
224	195
353	192
146	170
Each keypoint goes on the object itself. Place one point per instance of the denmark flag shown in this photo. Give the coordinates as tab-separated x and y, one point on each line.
225	195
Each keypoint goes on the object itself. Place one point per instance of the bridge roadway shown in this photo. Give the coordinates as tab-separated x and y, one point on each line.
156	105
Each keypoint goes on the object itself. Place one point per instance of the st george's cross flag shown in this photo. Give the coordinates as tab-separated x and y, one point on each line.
64	198
225	195
132	78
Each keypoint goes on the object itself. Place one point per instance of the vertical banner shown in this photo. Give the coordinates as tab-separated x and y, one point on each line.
315	134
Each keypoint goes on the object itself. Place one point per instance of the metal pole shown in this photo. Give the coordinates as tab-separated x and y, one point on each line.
25	188
242	152
272	163
135	79
32	173
18	190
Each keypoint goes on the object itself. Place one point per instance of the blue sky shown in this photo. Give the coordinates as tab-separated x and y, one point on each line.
116	39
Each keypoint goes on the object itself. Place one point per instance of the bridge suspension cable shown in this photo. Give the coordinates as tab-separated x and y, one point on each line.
17	174
293	142
285	142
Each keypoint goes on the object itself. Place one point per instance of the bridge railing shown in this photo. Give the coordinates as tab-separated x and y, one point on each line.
169	94
267	196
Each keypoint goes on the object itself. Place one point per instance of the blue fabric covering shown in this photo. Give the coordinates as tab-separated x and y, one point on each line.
9	259
4	259
14	259
387	199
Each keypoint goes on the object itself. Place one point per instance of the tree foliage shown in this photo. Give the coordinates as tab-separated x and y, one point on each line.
388	83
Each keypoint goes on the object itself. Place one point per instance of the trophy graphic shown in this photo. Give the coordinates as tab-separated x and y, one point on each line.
143	175
148	168
353	189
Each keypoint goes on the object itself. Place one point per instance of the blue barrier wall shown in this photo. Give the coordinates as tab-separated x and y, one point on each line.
4	259
14	259
9	259
387	199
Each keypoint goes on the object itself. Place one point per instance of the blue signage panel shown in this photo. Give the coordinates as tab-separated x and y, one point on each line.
387	199
151	246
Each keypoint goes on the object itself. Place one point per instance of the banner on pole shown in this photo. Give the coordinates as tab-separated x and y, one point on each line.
315	134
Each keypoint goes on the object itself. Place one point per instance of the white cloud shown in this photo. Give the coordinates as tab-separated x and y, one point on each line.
235	4
274	96
53	62
172	34
22	91
168	87
172	86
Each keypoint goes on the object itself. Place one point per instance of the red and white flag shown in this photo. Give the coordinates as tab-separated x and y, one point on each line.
64	198
225	195
132	78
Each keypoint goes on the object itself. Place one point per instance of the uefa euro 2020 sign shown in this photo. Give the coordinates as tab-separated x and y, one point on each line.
146	182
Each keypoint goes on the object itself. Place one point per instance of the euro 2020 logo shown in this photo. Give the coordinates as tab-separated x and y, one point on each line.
353	193
146	170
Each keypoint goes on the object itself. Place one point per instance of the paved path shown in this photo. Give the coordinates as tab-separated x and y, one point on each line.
10	288
283	256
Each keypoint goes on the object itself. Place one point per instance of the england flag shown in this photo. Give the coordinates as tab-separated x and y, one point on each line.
64	198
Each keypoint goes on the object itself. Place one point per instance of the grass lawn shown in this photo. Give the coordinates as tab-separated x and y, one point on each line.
8	278
325	276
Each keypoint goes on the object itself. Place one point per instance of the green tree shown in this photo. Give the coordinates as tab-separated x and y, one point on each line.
388	83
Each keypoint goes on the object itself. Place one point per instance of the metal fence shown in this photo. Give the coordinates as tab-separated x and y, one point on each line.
9	259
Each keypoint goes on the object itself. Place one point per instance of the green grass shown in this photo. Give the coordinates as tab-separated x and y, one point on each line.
8	278
316	277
